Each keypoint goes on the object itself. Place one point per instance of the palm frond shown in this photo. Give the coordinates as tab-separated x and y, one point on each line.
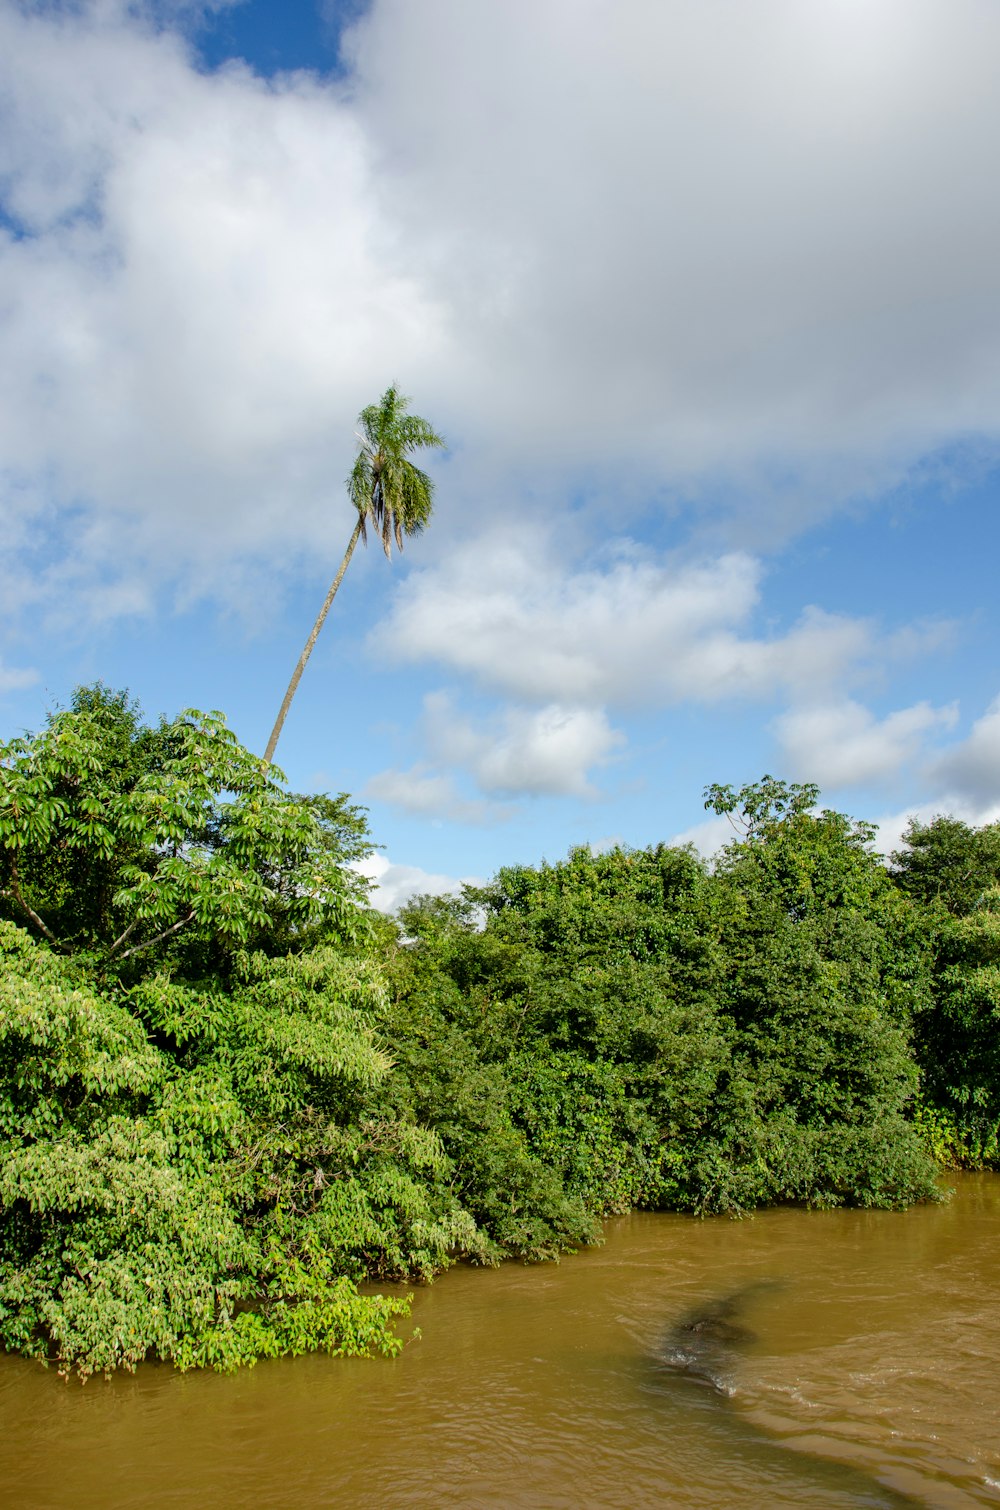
386	488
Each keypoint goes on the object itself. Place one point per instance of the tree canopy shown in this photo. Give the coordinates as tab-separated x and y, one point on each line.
195	1163
230	1091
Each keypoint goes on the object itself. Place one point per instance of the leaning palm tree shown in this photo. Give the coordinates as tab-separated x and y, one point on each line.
388	492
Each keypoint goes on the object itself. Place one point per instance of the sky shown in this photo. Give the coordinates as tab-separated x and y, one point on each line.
705	298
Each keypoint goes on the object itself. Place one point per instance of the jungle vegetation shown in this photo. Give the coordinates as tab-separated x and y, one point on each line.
232	1095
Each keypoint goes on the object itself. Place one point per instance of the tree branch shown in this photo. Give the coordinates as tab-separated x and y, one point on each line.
138	948
123	936
15	893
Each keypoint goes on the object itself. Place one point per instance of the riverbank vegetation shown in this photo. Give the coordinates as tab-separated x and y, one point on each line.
231	1092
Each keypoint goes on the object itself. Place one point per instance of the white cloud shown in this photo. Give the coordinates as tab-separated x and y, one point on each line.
709	836
844	744
14	678
523	752
201	296
760	251
963	781
430	793
606	844
392	883
761	239
520	620
970	771
891	827
515	752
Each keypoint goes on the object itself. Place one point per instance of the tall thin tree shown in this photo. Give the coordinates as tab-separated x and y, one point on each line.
388	491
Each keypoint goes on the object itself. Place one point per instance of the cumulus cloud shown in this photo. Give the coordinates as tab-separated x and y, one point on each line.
429	793
199	296
761	242
962	781
393	883
514	752
759	252
844	744
521	620
709	836
891	827
523	752
970	771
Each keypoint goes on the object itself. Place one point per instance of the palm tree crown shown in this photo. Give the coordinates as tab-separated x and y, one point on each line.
385	486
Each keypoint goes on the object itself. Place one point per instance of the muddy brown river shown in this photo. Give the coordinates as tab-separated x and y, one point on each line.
794	1359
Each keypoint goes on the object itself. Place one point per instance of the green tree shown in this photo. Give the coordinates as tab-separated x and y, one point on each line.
388	492
823	972
120	841
958	1042
948	862
629	1029
754	808
197	1158
201	1174
952	872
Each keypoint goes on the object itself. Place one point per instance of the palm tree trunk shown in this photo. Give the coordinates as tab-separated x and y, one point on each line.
310	642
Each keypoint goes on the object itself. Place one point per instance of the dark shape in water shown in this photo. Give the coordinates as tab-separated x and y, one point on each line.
702	1343
703	1346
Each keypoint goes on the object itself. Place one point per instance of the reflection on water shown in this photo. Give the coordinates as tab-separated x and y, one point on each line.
793	1360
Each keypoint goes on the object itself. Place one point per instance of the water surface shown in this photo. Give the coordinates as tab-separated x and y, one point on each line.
794	1359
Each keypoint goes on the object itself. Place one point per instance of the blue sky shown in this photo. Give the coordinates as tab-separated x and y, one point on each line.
706	299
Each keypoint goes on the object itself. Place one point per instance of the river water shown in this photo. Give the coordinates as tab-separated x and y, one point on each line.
806	1359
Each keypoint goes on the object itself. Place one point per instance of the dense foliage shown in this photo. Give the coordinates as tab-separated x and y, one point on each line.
196	1161
952	874
655	1034
230	1092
